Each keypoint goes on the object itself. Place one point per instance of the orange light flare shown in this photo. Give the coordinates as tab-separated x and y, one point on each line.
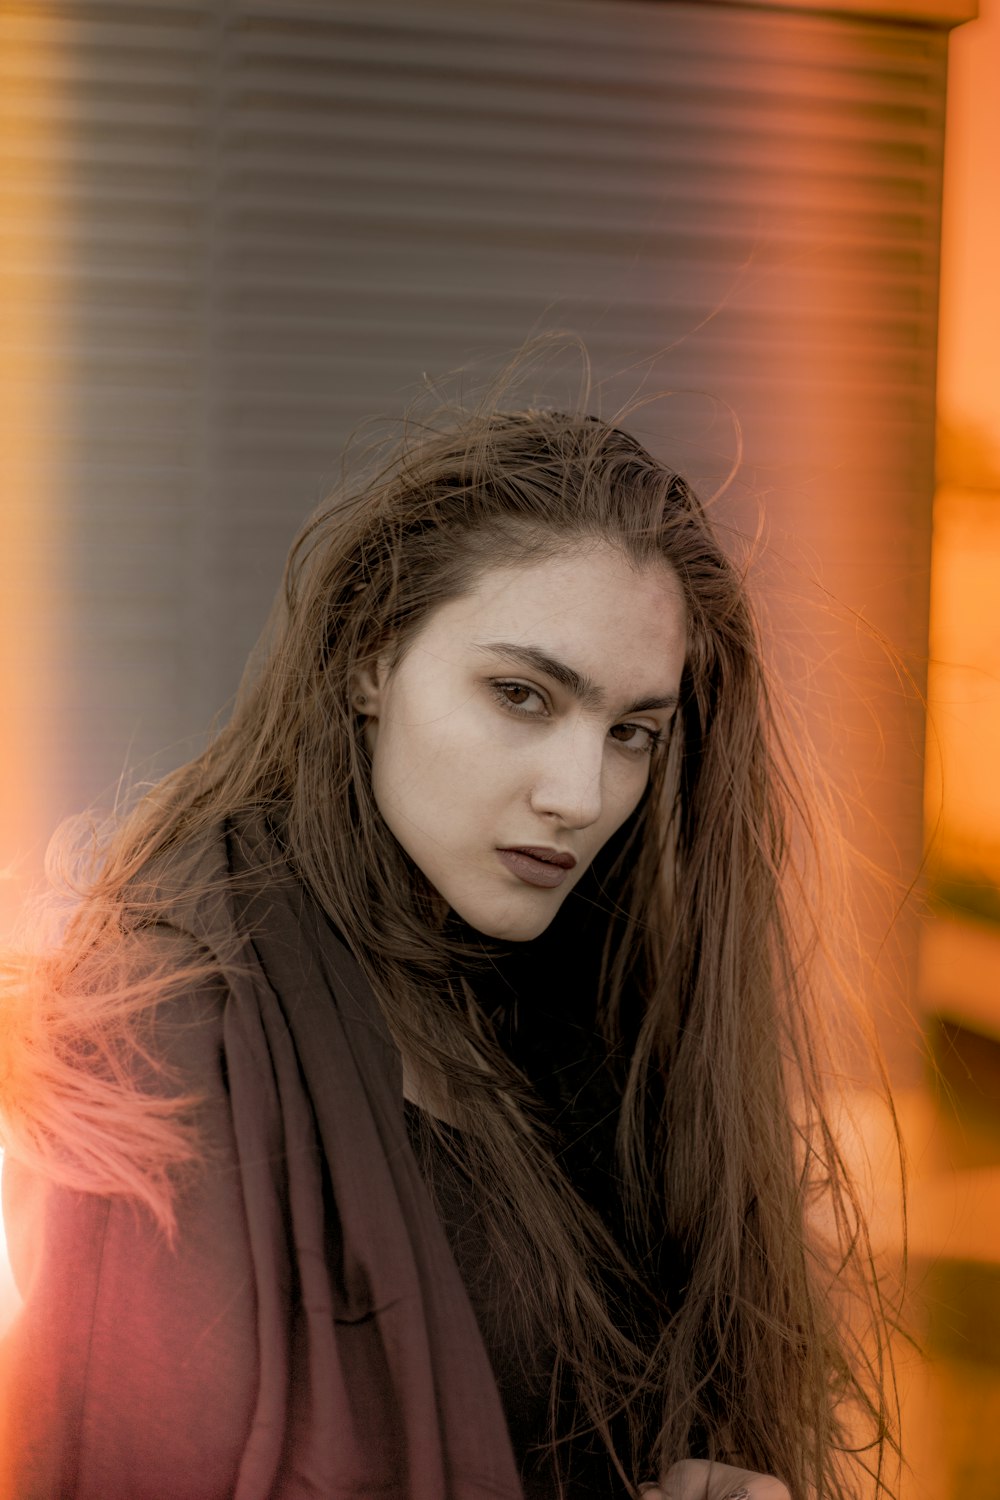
34	74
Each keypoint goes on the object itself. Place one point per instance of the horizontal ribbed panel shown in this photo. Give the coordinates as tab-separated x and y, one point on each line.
272	218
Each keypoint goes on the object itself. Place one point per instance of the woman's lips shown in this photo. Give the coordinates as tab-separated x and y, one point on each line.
532	871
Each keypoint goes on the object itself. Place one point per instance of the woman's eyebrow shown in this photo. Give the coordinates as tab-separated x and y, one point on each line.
581	686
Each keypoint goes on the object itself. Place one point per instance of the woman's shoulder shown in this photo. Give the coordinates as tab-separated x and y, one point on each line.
222	883
233	899
182	889
123	1329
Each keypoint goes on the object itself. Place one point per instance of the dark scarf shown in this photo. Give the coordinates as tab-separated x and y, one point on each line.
373	1375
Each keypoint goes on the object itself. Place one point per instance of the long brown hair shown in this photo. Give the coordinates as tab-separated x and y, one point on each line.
710	982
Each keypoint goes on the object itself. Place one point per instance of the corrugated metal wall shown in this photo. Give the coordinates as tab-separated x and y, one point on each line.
273	217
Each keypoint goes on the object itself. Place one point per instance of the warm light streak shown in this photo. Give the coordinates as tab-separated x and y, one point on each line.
963	790
9	1299
963	742
969	357
32	429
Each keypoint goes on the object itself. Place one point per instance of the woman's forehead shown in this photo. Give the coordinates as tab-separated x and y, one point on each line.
594	616
592	584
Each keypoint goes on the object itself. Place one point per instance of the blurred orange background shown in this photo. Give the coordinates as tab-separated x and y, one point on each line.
954	1128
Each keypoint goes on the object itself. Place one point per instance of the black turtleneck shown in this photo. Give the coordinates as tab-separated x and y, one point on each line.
541	997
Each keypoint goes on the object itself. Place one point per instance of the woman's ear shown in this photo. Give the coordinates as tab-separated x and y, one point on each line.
365	689
367	692
368	684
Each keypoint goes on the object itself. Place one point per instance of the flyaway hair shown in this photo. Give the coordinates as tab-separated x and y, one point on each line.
704	963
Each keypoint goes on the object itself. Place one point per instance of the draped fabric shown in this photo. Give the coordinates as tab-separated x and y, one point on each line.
370	1377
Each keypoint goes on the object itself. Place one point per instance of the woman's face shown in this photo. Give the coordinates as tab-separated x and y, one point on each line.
524	716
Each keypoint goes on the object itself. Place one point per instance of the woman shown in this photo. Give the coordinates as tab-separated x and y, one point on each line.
425	1097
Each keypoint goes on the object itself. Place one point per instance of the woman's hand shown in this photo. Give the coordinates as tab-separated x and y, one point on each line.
698	1479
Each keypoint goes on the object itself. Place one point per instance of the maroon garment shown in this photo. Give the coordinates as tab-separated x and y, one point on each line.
311	1335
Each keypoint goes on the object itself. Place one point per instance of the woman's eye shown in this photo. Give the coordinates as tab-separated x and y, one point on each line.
516	695
518	698
638	737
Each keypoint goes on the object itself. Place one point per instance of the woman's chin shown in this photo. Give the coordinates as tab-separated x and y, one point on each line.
509	926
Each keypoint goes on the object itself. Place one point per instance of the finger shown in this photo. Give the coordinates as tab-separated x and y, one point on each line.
698	1479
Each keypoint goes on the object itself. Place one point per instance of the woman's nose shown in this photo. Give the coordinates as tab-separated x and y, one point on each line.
568	782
